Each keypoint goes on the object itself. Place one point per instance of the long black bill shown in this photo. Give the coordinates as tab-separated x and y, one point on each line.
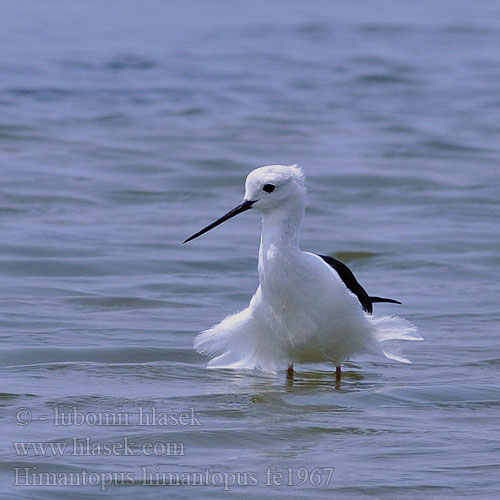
242	207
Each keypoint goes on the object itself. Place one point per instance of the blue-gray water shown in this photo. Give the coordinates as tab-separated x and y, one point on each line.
127	126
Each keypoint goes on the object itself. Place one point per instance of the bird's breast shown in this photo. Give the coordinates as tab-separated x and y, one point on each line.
283	278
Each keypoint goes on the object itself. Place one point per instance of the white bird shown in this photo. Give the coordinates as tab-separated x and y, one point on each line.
308	308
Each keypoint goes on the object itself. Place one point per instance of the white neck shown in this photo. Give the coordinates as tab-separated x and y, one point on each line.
280	234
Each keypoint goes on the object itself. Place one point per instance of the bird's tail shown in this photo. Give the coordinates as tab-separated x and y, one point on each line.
389	330
382	299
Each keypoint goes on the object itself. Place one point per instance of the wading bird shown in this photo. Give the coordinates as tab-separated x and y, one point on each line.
308	308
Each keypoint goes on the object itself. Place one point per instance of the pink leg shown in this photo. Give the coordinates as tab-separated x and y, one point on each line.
338	376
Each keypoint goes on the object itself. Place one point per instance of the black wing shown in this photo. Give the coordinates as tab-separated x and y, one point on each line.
353	285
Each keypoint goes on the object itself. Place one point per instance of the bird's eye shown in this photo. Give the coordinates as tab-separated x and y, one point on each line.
269	188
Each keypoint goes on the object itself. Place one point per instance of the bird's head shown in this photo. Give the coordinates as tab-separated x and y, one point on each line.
267	189
274	187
